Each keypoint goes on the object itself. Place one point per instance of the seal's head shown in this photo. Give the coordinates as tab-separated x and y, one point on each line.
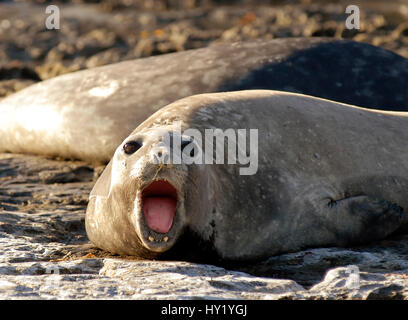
138	205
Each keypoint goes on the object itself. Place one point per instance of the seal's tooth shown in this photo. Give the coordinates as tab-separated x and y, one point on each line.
165	239
151	238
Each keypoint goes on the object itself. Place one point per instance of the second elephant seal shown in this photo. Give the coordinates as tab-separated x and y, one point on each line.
62	116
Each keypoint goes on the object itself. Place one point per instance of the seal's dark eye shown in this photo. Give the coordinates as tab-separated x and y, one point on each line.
185	143
131	147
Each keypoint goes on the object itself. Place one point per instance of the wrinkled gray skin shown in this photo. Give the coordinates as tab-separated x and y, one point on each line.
329	174
86	114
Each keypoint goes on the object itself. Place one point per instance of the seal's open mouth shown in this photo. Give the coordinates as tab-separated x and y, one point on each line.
159	205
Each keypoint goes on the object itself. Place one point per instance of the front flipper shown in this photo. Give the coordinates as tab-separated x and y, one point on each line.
362	219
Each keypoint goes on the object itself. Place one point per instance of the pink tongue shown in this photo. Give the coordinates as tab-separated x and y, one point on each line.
159	213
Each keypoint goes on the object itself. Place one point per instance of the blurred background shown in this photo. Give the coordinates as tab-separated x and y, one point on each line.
98	32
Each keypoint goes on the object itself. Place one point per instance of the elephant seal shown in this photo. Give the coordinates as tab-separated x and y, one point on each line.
56	116
327	174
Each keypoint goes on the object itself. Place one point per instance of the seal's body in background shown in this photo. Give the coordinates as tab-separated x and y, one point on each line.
329	174
86	114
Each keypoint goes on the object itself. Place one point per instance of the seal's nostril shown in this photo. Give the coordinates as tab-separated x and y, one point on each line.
159	154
